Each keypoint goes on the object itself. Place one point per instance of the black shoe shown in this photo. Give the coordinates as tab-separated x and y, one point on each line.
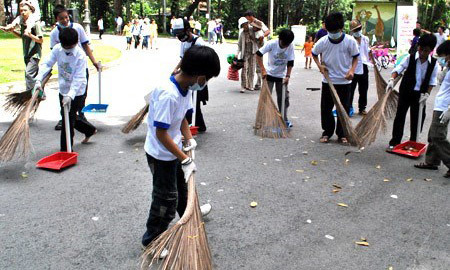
201	129
59	125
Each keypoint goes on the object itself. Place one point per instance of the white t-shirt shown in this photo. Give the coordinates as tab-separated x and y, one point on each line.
168	105
71	70
278	58
440	38
82	37
442	100
100	24
186	45
198	25
145	29
211	26
421	70
337	57
119	21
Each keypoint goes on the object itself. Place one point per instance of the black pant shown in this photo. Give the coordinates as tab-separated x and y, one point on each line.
278	82
75	121
199	121
136	41
169	196
101	33
407	99
219	38
363	85
326	108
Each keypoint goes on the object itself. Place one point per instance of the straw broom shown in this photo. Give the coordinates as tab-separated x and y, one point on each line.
269	122
17	138
135	121
186	241
346	123
15	102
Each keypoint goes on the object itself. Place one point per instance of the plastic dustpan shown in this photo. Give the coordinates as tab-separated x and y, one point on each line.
97	108
60	160
410	149
194	130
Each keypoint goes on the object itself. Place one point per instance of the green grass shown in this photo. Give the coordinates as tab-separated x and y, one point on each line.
12	66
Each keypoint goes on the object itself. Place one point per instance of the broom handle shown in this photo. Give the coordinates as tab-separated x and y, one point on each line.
194	105
283	101
100	82
67	128
419	122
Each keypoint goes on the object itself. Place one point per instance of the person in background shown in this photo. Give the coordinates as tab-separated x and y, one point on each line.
127	34
219	31
438	149
32	39
419	78
153	34
361	77
414	41
307	47
198	28
418	25
321	33
440	35
145	32
257	26
250	16
119	23
172	21
101	28
279	66
246	50
340	55
211	31
136	32
192	23
34	17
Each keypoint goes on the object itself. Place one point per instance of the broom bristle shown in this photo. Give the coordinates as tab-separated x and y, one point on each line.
136	120
186	242
16	139
346	123
269	123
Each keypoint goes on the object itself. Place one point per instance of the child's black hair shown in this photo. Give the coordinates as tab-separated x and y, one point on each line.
59	9
286	36
416	32
200	61
68	37
334	22
444	48
442	27
427	40
249	13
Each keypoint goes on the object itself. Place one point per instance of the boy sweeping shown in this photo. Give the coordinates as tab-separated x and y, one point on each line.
171	167
419	78
438	149
280	64
339	58
72	81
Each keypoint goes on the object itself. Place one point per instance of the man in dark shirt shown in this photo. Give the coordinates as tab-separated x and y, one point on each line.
322	32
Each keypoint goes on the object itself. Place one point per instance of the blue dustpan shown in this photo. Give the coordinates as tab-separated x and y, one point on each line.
97	108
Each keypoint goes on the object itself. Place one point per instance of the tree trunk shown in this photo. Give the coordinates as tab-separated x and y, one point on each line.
128	6
175	8
191	8
118	8
2	13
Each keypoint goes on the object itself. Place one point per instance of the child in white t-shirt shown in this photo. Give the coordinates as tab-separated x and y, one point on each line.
339	58
279	67
72	81
171	167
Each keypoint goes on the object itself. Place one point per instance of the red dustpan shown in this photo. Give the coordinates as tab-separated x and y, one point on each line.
412	149
60	160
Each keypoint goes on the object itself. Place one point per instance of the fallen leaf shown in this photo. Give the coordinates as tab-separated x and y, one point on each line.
329	237
305	153
253	204
314	162
120	152
95	218
390	268
378	167
347	161
394	196
277	159
362	243
228	178
300	171
337	186
336	190
386	180
220	190
308	221
409	180
427	179
203	183
343	204
24	175
363	239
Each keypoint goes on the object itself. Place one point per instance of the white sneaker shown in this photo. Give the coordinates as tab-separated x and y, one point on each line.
205	209
163	254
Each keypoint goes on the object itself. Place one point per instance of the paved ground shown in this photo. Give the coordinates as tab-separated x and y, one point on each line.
92	216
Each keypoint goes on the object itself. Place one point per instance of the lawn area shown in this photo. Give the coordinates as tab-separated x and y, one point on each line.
12	66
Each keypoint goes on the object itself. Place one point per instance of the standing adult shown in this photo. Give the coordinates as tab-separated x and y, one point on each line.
246	50
192	23
361	77
101	28
219	31
172	21
145	32
136	32
32	39
211	31
198	28
321	33
440	35
127	34
153	34
119	22
257	26
250	16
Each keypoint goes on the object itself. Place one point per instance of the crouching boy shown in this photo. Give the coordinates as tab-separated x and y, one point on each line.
171	167
72	65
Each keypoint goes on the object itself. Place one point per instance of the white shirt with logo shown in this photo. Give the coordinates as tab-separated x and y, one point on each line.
82	37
